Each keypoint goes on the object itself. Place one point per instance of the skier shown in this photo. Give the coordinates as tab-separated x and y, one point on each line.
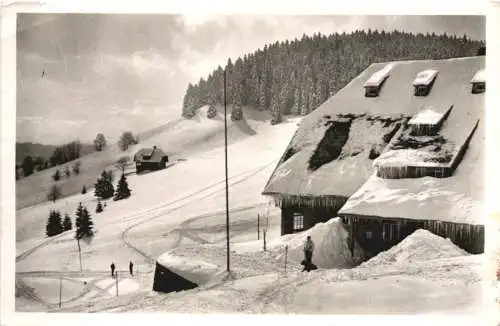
131	268
112	269
308	252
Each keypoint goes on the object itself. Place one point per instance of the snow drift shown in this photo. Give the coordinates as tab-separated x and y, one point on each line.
421	245
331	245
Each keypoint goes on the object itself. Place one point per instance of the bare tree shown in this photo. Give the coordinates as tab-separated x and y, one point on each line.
99	142
127	139
122	163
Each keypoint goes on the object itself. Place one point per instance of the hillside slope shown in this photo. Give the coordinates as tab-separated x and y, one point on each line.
178	138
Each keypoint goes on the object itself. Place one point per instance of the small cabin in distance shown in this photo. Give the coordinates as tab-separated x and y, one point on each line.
150	159
424	81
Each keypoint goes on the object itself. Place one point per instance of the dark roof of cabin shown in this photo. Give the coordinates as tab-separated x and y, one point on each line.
149	155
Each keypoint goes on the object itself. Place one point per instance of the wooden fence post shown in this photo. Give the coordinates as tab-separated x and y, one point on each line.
264	237
286	256
258	226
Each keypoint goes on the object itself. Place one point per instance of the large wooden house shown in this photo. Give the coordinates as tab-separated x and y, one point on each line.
398	149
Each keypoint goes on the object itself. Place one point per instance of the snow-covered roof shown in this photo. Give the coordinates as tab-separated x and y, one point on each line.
343	176
149	154
425	77
378	77
457	199
479	77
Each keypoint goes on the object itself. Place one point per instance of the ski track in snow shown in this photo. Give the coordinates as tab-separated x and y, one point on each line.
144	216
192	196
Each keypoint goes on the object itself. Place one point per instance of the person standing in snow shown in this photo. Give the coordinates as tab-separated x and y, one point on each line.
131	268
308	252
112	269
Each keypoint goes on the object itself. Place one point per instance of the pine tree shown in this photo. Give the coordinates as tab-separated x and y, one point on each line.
99	207
212	112
57	175
122	190
54	193
84	224
104	187
54	224
67	225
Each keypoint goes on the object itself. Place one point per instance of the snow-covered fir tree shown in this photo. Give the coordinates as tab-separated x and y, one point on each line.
67	224
104	187
99	207
83	222
122	189
212	112
313	68
54	224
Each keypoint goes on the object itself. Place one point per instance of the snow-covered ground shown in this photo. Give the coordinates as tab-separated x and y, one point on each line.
177	216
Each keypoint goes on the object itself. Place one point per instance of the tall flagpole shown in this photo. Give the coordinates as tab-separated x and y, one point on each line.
227	186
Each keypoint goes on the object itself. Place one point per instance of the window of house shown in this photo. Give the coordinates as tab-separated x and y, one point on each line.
422	90
368	234
479	82
478	88
371	91
423	82
390	231
298	222
374	83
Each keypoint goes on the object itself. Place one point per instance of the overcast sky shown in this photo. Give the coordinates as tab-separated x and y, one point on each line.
132	70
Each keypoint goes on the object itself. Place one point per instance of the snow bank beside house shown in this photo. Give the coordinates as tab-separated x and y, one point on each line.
331	245
330	241
421	245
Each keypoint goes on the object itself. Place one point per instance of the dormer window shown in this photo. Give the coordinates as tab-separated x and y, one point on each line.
479	82
374	83
428	121
424	81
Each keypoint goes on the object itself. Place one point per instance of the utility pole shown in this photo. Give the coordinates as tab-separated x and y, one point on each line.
60	293
258	226
227	186
79	253
116	283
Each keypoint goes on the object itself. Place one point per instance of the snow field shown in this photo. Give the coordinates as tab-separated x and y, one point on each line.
181	218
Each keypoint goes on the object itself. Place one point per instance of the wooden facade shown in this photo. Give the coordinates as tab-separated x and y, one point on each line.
375	234
300	215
